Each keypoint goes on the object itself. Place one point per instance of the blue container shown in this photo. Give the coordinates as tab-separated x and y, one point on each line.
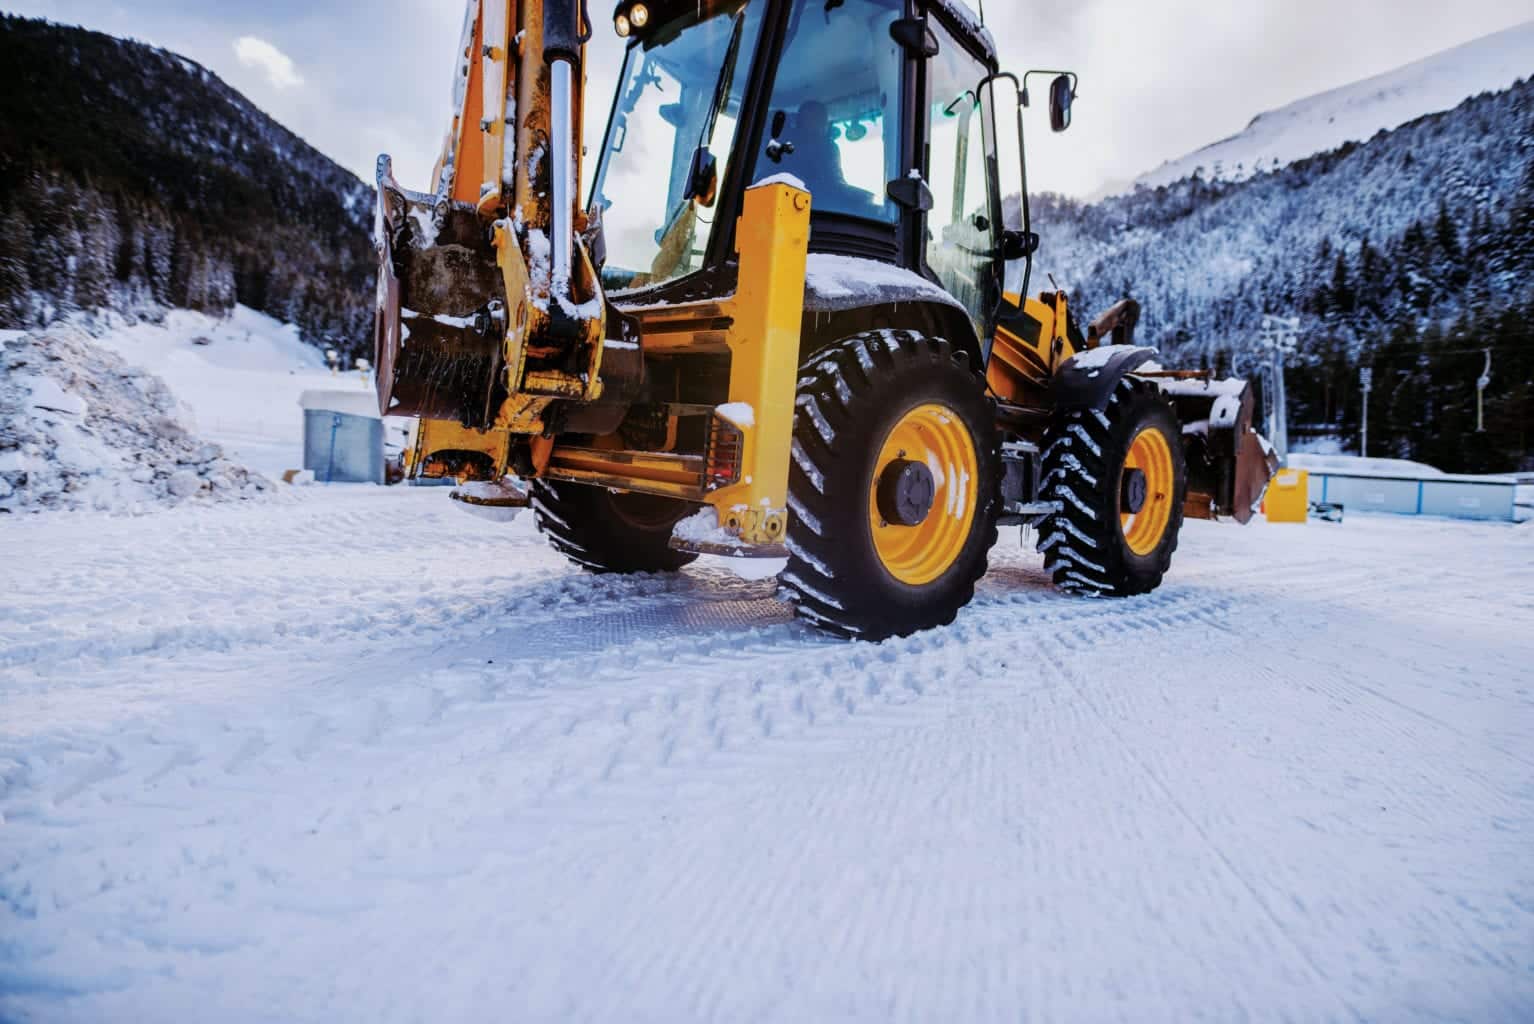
343	437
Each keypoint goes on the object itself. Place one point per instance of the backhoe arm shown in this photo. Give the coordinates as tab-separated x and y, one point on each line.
490	309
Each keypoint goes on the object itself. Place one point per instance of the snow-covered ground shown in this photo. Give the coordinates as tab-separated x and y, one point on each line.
360	757
239	379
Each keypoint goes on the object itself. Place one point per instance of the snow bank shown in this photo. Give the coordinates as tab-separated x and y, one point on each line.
1354	465
238	380
81	429
239	376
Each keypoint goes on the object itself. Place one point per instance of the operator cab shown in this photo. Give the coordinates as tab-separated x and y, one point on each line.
885	110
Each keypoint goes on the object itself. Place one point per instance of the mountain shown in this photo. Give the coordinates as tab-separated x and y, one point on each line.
134	179
1413	251
1357	112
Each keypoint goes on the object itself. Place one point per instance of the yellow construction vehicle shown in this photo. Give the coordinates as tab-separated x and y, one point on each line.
790	319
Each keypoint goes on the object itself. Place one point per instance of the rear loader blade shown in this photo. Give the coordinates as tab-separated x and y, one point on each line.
1256	463
1229	463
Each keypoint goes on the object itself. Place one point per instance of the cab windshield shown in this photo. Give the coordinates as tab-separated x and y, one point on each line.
680	93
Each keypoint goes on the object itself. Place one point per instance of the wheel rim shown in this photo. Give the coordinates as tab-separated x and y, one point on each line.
1151	454
935	436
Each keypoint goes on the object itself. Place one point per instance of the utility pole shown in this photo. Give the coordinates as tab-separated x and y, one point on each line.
1480	395
1280	338
1366	378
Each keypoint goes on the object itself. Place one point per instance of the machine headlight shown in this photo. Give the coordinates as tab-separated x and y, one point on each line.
639	14
621	23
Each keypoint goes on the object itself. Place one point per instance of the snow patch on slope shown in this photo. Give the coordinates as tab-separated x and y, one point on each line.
1358	112
238	379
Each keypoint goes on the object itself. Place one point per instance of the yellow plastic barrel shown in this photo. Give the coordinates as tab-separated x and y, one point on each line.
1288	499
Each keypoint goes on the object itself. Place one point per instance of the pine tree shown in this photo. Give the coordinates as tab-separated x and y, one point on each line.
126	260
96	251
1517	241
15	279
1342	297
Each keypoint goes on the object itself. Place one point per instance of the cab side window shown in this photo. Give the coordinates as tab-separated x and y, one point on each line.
961	236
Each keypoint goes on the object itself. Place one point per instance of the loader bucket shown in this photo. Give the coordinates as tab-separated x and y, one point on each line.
1229	463
440	320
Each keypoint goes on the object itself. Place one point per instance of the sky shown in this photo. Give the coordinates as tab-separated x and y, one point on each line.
1158	79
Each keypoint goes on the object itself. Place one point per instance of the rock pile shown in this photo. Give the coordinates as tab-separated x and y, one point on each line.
82	429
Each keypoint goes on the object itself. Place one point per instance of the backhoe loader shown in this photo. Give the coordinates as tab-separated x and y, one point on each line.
788	318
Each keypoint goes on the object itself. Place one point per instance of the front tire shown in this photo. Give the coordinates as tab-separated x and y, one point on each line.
607	532
1122	478
894	486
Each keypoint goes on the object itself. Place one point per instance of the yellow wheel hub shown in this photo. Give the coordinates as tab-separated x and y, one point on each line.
1151	454
935	437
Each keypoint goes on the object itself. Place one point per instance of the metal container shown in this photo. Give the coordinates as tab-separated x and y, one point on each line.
343	437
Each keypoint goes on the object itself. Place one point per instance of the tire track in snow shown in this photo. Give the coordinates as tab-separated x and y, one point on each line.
396	771
1129	747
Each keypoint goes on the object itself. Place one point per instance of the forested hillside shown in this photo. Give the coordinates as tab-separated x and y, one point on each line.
1415	250
134	179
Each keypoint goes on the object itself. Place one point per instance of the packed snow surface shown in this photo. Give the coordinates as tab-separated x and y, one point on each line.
364	758
1357	112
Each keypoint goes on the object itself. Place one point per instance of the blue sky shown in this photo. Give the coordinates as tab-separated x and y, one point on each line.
1158	79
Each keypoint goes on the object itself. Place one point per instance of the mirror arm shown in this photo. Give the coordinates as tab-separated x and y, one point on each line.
1030	240
1022	145
1022	148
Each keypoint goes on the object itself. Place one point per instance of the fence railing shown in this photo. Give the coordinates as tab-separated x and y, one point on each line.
1455	497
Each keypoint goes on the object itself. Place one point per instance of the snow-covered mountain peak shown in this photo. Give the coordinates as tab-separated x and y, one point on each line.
1357	112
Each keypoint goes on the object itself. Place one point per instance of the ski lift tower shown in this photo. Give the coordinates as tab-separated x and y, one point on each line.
1481	385
1280	338
1365	381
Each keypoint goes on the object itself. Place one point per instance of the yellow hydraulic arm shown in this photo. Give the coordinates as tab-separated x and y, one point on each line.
490	308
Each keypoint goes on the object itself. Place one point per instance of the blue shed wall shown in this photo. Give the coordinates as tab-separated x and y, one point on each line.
1455	499
341	448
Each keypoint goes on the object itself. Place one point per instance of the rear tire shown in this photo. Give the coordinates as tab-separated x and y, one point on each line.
887	424
1097	544
607	532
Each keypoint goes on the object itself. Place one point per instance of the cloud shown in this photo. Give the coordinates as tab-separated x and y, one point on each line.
258	53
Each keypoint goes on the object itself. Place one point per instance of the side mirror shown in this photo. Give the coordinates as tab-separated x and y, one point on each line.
703	179
1061	94
777	148
1018	245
